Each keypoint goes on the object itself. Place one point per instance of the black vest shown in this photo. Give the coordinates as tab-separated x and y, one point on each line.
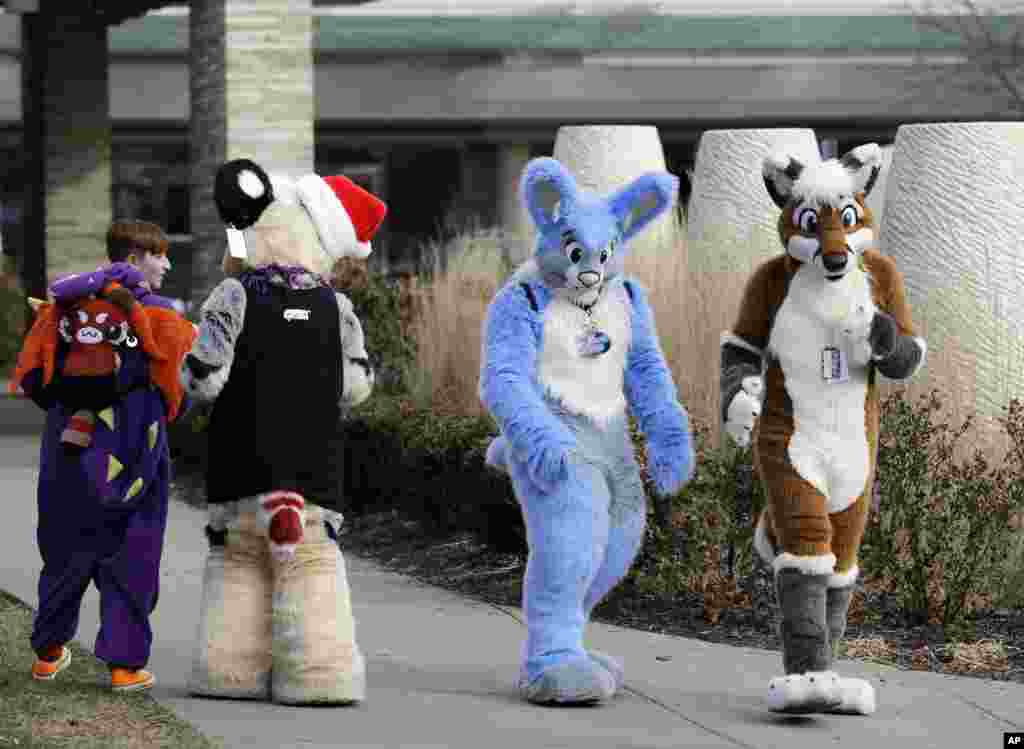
275	423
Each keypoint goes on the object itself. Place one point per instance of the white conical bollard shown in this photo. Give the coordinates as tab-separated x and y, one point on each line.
604	158
514	218
731	228
876	200
732	223
954	219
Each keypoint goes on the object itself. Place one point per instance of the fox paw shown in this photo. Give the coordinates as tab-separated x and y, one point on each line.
858	697
799	694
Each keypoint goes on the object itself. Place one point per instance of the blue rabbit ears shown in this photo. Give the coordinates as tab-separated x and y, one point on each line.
552	195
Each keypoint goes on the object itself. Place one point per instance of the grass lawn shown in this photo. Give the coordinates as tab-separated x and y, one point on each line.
78	709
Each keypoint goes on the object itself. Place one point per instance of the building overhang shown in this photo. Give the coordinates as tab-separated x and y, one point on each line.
503	70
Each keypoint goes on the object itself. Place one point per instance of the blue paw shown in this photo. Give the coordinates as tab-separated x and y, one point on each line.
497	454
612	665
548	466
671	474
574	682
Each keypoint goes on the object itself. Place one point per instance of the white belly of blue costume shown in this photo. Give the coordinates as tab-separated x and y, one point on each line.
586	385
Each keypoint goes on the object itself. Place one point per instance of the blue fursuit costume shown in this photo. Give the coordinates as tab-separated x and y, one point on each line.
570	350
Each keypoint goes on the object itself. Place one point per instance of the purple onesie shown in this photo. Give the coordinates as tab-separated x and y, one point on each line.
88	535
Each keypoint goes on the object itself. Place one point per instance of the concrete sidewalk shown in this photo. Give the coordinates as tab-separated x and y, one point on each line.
18	415
441	670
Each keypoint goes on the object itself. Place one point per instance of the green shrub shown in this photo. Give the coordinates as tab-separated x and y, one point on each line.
12	327
941	538
1012	594
380	306
430	467
701	538
941	533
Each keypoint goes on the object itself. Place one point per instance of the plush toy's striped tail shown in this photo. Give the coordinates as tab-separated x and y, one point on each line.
284	516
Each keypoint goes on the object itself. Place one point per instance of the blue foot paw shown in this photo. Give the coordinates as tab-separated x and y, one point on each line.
497	457
612	665
575	682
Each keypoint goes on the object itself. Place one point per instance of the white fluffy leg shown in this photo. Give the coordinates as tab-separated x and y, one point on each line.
812	692
858	697
232	653
315	656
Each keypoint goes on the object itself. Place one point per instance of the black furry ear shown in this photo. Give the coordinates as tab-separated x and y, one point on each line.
780	172
864	163
242	191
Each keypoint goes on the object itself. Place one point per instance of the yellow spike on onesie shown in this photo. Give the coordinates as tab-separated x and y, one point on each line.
134	489
153	432
107	417
114	468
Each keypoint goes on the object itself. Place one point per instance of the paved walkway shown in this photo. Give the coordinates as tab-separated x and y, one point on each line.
441	669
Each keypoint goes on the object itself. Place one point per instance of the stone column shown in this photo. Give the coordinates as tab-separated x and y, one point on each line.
270	99
72	115
604	158
252	97
732	223
954	219
513	217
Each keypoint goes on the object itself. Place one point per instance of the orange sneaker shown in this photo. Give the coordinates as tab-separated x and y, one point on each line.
51	662
130	679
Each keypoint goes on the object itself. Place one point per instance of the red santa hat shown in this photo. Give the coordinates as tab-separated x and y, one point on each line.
345	215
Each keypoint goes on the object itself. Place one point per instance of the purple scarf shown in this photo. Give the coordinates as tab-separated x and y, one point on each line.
261	279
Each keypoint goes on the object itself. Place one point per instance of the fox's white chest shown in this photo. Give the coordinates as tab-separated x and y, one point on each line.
829	443
588	385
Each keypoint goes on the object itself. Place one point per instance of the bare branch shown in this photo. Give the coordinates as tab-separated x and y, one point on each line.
991	40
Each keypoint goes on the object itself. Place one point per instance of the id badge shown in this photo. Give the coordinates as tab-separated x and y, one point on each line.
834	366
236	243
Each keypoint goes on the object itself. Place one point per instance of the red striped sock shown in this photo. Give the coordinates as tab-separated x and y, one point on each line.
79	429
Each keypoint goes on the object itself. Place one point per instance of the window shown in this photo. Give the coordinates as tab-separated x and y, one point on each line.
150	183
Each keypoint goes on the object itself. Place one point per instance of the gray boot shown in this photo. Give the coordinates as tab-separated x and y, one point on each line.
809	685
858	696
803	631
836	609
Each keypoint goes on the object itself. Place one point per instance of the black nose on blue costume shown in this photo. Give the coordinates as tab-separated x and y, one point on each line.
834	263
589	278
242	191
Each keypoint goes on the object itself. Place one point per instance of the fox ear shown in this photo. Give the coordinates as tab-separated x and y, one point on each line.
549	191
780	172
643	200
865	164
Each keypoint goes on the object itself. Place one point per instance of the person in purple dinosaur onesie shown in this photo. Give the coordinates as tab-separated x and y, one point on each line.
103	366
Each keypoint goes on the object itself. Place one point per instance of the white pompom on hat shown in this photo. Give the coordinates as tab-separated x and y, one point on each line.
345	215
